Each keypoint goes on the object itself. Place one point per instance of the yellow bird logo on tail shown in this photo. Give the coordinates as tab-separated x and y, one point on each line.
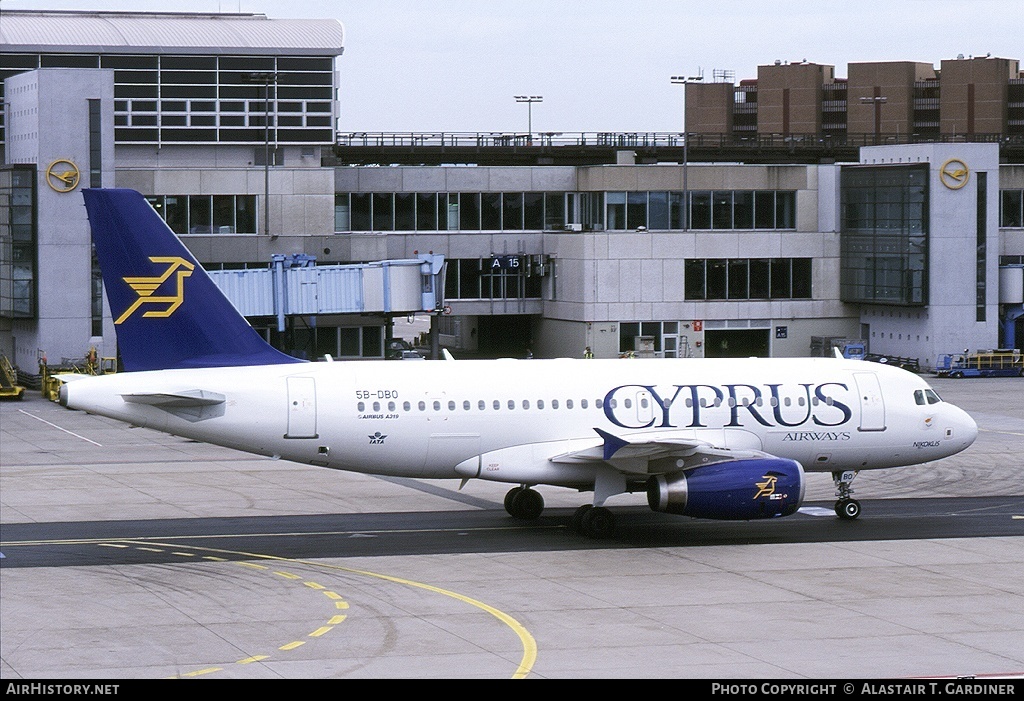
146	288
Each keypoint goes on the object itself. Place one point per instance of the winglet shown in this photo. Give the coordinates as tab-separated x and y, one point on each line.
167	311
612	444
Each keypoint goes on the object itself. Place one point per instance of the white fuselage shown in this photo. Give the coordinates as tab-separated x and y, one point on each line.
505	420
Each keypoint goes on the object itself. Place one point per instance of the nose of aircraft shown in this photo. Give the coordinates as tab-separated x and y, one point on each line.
965	428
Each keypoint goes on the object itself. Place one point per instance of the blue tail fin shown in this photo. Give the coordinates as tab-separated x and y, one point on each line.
167	311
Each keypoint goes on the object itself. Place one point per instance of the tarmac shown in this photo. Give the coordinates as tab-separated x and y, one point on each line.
914	608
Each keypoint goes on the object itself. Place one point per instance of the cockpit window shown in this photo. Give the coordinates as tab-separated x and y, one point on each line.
919	397
933	398
926	396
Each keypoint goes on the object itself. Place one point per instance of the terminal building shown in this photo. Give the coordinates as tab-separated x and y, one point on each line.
887	207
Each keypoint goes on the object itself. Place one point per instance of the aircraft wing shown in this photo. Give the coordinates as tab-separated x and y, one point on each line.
651	454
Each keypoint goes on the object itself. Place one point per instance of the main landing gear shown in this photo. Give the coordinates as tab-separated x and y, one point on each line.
847	508
595	522
526	504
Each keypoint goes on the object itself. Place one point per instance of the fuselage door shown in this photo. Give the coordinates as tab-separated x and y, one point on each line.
301	408
872	406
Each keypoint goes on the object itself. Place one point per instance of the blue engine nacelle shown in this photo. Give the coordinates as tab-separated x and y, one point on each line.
733	489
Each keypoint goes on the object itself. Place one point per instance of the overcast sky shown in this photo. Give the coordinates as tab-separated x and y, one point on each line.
456	65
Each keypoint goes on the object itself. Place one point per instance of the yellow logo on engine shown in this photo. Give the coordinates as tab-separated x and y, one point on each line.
146	288
766	488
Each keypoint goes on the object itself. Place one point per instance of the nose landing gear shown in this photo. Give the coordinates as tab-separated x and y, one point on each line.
847	508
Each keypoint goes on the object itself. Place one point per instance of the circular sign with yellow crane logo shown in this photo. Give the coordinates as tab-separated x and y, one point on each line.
954	174
62	175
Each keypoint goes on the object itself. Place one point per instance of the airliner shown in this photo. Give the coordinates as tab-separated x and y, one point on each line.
704	438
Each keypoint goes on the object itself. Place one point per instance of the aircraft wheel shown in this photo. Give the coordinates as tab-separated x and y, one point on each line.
527	504
510	497
576	522
598	523
847	509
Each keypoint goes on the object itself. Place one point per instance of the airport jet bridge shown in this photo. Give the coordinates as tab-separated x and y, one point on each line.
294	285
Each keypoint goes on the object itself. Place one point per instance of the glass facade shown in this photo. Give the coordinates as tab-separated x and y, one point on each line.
884	234
207	99
18	231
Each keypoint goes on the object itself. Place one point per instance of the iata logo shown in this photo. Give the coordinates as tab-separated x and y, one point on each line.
377	438
954	174
146	288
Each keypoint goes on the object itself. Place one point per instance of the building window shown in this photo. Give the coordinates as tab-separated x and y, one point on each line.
615	210
981	261
405	211
342	212
1011	209
474	279
95	145
659	337
554	211
383	211
206	214
747	278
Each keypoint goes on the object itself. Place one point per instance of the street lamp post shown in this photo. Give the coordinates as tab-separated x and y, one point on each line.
265	79
877	101
683	80
529	100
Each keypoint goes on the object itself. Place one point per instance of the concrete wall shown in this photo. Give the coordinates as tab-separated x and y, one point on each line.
709	108
789	97
891	80
974	95
47	120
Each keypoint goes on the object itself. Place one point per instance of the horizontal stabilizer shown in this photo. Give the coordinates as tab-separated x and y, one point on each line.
176	400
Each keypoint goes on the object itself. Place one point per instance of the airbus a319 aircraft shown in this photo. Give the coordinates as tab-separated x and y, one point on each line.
706	438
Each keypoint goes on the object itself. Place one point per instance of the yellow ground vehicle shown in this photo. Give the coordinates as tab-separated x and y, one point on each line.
9	387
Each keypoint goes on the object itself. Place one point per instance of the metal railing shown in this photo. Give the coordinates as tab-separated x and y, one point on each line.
650	139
